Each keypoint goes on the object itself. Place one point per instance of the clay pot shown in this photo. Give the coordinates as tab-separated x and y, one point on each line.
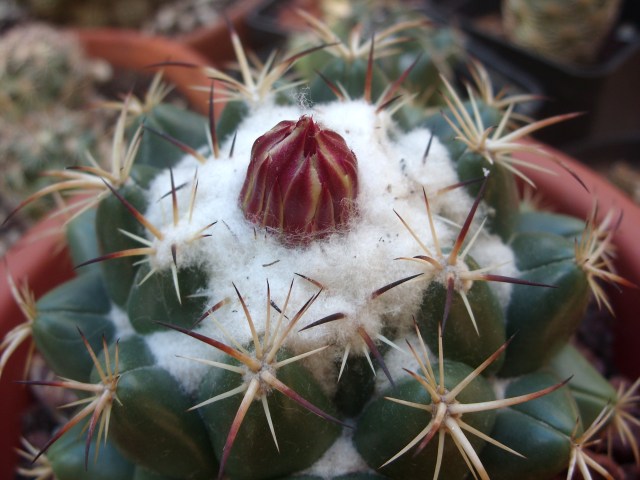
213	42
131	50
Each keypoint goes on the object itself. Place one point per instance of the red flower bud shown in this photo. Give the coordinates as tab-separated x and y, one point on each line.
302	181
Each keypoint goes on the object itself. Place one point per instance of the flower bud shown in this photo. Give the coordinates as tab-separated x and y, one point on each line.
301	181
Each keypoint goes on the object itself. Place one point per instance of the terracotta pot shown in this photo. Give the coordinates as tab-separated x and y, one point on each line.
568	196
274	20
213	42
131	50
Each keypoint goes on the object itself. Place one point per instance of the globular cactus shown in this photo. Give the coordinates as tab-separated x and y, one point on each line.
569	31
42	67
313	290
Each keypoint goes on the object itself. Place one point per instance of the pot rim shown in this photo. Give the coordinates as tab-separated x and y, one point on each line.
132	50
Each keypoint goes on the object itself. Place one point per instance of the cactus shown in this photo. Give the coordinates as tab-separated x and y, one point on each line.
45	80
318	290
571	31
431	51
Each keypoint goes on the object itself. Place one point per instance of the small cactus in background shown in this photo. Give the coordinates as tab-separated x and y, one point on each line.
570	31
430	51
42	67
323	288
45	82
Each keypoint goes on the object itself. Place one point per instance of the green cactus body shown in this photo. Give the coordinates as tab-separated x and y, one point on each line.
169	120
321	300
547	222
540	431
156	299
144	474
437	54
460	337
82	241
501	194
119	274
151	421
533	315
80	304
355	386
378	440
592	392
230	118
351	75
297	447
68	461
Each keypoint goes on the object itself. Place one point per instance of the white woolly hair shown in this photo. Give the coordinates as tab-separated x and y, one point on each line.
351	264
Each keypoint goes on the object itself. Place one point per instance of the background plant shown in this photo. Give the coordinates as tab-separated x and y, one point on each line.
47	88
